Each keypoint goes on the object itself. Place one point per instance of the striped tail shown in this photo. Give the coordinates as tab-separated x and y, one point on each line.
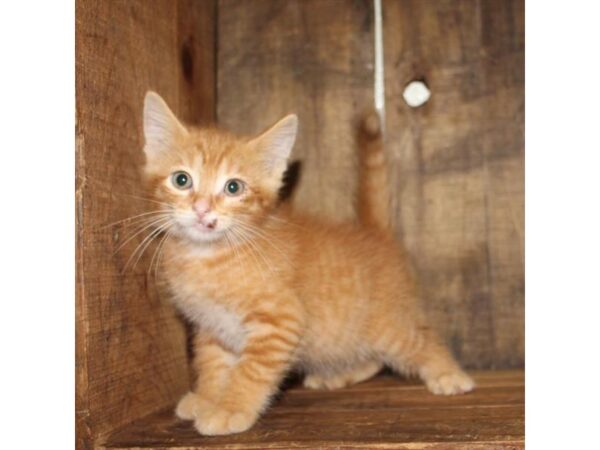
373	206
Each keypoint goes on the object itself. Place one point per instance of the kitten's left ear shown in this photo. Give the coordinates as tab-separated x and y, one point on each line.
276	144
161	127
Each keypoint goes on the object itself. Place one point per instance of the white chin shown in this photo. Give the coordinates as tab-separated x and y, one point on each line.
198	235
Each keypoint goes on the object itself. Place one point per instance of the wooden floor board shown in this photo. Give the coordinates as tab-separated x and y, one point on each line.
383	413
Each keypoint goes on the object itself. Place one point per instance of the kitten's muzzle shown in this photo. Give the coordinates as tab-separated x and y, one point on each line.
205	217
206	225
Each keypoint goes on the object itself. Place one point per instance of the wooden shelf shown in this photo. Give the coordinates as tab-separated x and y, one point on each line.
384	413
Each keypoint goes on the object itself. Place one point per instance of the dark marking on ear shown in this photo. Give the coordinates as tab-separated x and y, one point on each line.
291	178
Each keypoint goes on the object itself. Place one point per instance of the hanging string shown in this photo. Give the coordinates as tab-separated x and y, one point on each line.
379	74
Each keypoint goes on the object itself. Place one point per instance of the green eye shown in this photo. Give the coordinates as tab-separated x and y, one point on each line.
234	187
181	180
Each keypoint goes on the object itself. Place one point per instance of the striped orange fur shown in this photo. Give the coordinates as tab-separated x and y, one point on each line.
373	204
270	289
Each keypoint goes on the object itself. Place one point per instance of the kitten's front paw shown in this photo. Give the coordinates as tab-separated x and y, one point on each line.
451	383
222	421
190	405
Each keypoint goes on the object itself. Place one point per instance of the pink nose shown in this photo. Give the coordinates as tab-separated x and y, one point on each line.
201	207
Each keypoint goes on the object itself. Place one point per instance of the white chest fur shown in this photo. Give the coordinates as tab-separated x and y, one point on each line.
222	323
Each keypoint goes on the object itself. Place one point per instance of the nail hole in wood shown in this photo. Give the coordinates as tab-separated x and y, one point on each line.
416	93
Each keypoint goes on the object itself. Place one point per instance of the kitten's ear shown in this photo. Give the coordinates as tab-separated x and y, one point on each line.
161	127
276	143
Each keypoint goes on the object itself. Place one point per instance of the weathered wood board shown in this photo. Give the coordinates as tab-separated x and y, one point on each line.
384	413
130	356
313	58
456	163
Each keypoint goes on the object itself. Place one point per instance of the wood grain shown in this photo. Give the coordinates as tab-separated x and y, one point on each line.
130	356
313	58
456	164
382	413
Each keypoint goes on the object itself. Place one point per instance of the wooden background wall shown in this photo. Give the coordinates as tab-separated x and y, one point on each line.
130	353
456	163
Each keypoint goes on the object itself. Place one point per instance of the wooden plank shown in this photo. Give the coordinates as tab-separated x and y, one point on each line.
383	399
130	347
405	417
487	379
457	167
473	445
197	53
310	57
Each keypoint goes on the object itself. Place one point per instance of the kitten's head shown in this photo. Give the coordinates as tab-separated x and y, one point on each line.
210	182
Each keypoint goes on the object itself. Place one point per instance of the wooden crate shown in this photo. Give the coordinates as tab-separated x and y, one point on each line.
456	166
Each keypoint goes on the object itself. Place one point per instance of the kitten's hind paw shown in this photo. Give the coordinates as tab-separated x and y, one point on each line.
450	383
319	382
350	377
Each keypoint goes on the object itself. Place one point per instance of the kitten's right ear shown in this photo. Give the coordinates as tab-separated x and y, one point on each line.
161	127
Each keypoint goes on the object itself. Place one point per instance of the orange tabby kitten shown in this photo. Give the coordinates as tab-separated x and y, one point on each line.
271	290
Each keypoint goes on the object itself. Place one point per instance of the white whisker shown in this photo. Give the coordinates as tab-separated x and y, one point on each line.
236	254
141	248
275	218
154	222
258	233
137	217
247	246
256	248
161	251
142	198
156	251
